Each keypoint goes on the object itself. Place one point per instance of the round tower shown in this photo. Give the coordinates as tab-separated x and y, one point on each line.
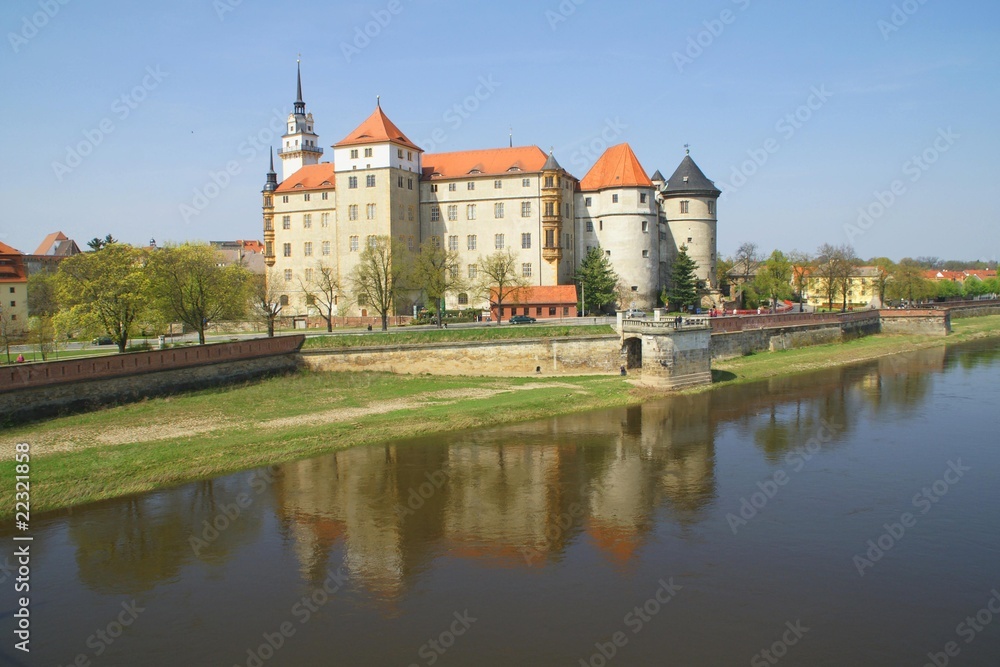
690	203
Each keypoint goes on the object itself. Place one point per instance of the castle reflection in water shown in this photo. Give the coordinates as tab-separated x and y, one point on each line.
519	496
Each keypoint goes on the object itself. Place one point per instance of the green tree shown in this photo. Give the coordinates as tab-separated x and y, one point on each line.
498	279
435	271
96	243
908	282
11	330
323	288
801	267
973	287
884	268
597	280
723	269
992	286
947	289
43	334
43	298
110	287
380	278
774	277
190	285
683	282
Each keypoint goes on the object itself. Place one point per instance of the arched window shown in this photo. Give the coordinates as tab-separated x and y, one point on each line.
283	300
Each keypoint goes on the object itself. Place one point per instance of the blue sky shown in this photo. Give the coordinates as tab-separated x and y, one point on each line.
806	114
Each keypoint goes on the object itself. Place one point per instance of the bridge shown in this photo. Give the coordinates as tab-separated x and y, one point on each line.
670	353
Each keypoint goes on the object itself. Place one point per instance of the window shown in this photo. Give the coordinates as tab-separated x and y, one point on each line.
352	182
409	184
645	253
614	199
690	239
435	213
498	241
326	248
354	244
399	153
471	185
409	243
526	240
590	225
436	242
642	197
526	269
550	238
309	275
354	153
399	181
607	253
307	249
402	211
307	221
645	225
286	250
370	181
711	208
409	155
284	199
685	206
587	201
452	212
434	187
452	243
452	187
526	209
497	184
525	182
352	212
472	270
552	311
635	288
286	222
600	225
498	210
370	211
268	225
324	220
368	152
550	209
325	196
463	299
550	181
470	242
306	197
470	212
372	241
283	300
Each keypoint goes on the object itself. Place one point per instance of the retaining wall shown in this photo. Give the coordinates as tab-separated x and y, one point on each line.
785	332
923	322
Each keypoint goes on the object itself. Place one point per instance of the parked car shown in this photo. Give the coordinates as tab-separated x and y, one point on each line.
102	340
633	314
521	319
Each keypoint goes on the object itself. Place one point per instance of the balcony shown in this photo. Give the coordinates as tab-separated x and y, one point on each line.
300	149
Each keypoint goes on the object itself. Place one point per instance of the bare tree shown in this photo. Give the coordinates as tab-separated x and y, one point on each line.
498	279
379	279
10	331
745	264
436	272
323	289
801	266
834	270
265	300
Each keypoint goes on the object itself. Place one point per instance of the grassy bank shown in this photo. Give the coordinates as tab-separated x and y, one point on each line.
199	435
491	333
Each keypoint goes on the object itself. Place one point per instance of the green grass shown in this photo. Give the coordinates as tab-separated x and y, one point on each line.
489	333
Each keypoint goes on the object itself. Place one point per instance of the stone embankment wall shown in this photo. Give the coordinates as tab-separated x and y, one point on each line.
922	322
30	391
735	337
681	359
974	308
519	357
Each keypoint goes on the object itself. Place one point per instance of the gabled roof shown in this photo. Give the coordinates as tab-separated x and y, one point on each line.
543	295
488	162
688	178
618	167
11	265
310	177
7	250
376	129
46	247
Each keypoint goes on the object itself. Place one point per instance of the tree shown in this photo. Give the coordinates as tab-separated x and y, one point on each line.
992	286
10	330
908	282
497	279
973	287
723	267
43	294
683	282
884	268
110	287
774	277
379	279
190	285
265	301
96	244
435	270
597	280
947	289
42	333
323	289
801	267
834	267
745	264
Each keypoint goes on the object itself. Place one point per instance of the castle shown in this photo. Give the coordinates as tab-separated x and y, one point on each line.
380	183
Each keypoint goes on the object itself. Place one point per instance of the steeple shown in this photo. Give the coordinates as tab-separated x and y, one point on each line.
300	106
551	164
272	178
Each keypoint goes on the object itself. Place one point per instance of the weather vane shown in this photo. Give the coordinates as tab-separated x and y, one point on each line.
687	149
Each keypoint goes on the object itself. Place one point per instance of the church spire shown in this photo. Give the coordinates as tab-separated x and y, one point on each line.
272	178
300	106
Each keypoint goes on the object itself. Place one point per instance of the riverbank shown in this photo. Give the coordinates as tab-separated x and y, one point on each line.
199	435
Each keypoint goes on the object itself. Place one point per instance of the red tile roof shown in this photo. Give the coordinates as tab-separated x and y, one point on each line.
544	295
12	265
310	177
617	168
982	274
489	162
376	129
48	242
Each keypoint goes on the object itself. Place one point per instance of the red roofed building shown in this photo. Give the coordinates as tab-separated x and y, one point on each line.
513	199
13	290
53	249
542	303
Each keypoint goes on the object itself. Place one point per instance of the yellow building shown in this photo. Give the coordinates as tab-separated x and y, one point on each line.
13	292
862	291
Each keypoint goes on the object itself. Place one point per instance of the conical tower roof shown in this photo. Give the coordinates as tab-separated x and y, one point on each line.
618	167
551	164
376	129
689	179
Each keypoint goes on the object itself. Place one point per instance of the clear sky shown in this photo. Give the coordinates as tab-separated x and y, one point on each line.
805	112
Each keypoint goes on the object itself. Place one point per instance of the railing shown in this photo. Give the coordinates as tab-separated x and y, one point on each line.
669	324
299	149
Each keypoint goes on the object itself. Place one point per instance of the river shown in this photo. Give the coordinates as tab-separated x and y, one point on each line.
844	517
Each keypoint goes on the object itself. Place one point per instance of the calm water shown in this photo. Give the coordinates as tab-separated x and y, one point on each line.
694	531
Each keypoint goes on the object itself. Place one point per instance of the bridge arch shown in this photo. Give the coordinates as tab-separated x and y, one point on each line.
632	349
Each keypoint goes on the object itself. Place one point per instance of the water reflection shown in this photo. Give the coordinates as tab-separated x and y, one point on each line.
517	497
